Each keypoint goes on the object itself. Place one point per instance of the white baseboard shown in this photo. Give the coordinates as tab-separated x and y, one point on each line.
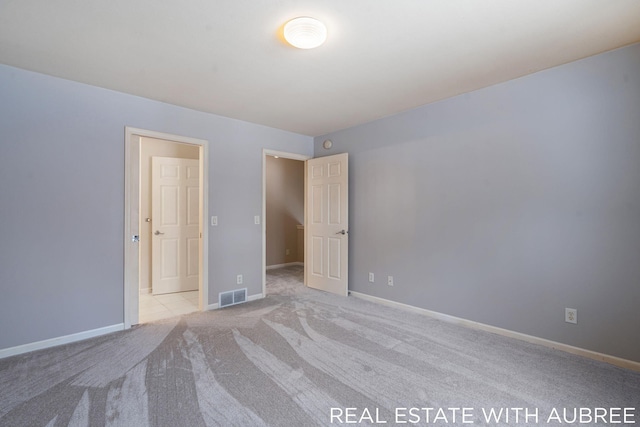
613	360
52	342
249	298
255	297
274	266
39	345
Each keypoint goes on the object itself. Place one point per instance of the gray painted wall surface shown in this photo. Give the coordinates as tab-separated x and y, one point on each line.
62	200
508	204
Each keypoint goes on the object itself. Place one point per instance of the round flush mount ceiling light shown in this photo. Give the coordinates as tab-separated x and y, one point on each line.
305	32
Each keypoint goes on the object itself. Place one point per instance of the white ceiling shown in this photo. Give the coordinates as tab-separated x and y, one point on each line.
382	57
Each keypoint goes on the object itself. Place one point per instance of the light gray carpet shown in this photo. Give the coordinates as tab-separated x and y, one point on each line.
286	360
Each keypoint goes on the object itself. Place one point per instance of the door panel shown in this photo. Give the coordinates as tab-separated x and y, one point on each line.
326	230
193	265
334	258
193	211
316	256
175	224
169	210
170	258
334	204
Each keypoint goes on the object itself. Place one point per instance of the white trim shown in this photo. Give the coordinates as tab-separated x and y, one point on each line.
285	155
131	197
145	291
613	360
249	299
131	267
267	152
255	297
274	266
66	339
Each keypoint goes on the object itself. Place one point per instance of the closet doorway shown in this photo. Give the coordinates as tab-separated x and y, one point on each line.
169	229
141	304
283	210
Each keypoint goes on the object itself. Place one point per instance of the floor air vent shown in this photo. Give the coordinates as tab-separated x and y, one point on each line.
232	297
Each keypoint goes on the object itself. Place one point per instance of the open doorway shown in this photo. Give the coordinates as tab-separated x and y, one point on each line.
140	147
283	211
175	198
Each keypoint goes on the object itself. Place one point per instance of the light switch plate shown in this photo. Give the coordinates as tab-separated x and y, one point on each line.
214	221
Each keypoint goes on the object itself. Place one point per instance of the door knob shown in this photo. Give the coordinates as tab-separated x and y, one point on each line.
343	232
157	233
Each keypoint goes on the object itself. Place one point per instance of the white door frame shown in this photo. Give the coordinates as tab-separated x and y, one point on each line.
266	152
132	218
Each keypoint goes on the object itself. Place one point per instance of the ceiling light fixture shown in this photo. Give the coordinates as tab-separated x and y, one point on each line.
305	32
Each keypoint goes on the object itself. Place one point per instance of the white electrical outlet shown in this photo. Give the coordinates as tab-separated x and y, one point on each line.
571	315
390	280
239	279
371	277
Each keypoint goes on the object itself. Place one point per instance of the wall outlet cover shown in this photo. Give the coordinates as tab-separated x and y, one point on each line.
571	315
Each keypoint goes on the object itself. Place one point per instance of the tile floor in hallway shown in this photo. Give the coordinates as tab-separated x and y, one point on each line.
156	307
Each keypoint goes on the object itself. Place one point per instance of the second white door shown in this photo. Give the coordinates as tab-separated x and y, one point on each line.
327	223
175	224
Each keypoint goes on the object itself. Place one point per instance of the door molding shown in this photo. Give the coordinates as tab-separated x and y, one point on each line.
285	155
132	218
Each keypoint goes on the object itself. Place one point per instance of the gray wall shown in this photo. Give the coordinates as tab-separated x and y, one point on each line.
62	200
508	204
284	209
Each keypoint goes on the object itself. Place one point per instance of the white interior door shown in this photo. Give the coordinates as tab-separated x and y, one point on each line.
175	223
327	223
